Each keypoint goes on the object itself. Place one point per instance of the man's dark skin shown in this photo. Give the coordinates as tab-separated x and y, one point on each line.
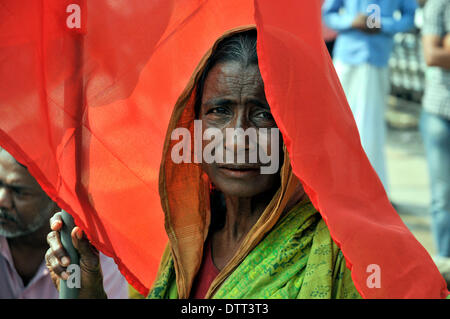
27	253
23	204
233	97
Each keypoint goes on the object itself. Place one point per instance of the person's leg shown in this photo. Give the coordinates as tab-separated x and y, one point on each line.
366	88
436	135
372	121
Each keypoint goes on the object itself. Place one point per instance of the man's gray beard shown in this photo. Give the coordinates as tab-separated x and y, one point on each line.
36	224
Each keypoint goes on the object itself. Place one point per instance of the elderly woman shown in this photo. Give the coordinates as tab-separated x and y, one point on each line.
265	239
234	231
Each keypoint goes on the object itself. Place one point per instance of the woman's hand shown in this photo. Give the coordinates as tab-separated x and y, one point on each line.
57	260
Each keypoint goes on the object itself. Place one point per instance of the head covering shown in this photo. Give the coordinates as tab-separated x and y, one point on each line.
185	195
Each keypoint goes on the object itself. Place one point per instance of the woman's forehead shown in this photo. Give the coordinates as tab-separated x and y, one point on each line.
233	79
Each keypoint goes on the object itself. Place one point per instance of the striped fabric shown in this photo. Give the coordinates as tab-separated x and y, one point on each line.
437	90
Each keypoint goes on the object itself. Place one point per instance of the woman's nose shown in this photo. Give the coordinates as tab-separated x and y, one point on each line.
239	135
241	119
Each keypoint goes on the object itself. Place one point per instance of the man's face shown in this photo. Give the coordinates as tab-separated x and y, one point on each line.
24	206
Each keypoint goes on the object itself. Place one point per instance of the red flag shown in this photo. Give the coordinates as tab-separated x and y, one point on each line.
99	158
318	128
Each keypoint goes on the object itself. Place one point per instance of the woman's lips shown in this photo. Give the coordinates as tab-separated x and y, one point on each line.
236	171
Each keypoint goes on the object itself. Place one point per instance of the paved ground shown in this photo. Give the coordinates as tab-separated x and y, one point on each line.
408	178
408	175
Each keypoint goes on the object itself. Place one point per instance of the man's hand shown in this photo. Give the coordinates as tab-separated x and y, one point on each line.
57	260
360	23
446	42
437	51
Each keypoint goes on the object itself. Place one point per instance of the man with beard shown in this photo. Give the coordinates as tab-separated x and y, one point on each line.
25	210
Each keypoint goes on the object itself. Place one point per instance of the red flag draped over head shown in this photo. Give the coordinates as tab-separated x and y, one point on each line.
86	93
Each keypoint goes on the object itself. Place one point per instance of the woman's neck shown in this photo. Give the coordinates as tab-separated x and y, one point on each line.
242	213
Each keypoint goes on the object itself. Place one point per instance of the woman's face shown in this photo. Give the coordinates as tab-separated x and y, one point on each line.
233	97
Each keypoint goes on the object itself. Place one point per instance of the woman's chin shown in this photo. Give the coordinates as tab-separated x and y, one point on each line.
243	188
241	182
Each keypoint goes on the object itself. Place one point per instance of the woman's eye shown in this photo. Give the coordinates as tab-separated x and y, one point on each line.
265	115
218	110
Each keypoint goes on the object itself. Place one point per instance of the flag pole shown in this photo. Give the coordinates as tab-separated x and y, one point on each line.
69	289
73	105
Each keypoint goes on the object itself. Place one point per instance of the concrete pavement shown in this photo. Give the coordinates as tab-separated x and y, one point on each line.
407	170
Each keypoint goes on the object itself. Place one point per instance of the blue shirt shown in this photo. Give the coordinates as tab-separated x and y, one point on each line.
356	47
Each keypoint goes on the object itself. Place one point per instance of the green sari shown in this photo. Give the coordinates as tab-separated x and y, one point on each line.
297	259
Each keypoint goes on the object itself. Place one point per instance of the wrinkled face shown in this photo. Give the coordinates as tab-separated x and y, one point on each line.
24	206
234	97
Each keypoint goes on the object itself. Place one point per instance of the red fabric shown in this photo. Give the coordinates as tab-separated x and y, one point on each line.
320	133
206	274
87	111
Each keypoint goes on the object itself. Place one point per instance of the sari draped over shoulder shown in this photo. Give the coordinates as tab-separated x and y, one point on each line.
296	260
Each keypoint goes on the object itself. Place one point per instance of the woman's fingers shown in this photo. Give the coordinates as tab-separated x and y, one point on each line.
58	251
56	222
57	260
89	257
54	265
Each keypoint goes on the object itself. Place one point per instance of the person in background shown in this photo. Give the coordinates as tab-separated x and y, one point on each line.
435	123
25	210
329	36
361	53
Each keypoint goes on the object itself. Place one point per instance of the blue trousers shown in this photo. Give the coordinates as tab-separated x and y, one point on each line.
436	135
